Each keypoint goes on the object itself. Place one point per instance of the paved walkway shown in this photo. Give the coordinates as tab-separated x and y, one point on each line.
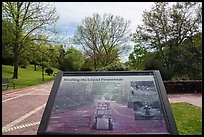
194	99
22	109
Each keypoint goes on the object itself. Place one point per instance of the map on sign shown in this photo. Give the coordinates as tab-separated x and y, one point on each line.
106	104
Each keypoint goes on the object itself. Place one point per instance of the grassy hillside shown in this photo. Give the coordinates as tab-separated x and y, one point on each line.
26	76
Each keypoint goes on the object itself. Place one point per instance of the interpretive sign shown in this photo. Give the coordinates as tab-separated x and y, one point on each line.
108	103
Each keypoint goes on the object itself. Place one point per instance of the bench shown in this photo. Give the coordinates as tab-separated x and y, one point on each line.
7	83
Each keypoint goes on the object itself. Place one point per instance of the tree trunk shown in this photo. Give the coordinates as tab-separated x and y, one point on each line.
35	67
16	50
95	61
16	56
94	64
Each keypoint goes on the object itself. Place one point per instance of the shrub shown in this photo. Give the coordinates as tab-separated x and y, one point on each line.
114	67
117	67
49	71
23	66
7	60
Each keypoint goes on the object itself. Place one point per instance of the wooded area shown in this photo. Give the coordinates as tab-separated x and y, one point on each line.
169	40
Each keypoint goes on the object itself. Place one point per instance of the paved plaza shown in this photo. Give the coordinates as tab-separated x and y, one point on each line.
22	109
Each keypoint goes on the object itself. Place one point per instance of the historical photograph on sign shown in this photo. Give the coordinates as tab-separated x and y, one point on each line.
107	105
145	100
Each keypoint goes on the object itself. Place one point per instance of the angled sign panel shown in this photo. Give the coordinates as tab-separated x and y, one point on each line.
108	103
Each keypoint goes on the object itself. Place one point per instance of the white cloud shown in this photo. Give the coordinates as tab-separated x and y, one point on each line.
75	12
72	13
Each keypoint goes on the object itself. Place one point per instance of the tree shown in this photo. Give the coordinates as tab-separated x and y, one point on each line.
57	55
153	61
35	55
61	56
103	38
28	19
191	68
166	28
87	65
7	41
115	66
73	60
136	58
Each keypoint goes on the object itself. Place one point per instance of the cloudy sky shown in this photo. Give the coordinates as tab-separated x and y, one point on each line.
72	13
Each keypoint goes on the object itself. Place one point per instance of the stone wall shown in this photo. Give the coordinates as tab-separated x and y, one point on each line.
183	86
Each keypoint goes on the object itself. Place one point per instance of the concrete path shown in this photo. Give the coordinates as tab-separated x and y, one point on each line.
22	109
194	99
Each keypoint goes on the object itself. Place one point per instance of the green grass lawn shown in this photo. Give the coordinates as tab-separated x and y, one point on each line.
188	118
26	76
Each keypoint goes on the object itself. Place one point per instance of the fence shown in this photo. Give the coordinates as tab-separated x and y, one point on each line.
184	86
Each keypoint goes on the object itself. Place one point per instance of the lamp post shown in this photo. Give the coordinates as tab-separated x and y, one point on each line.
51	49
42	67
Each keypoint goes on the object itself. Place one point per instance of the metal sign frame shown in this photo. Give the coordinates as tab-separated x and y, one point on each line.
165	105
